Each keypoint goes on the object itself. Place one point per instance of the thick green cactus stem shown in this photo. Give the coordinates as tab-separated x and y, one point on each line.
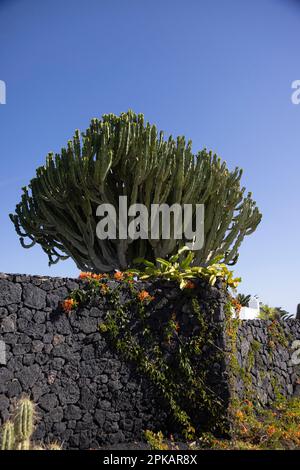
124	156
24	423
8	436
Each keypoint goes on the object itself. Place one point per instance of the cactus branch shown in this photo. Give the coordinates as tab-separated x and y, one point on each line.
123	155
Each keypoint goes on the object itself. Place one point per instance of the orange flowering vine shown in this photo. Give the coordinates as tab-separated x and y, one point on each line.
98	277
144	295
236	305
84	275
68	305
119	276
89	275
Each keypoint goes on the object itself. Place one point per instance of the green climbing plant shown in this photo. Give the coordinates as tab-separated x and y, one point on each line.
176	360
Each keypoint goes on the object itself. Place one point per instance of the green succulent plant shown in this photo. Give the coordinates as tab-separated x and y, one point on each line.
124	156
179	268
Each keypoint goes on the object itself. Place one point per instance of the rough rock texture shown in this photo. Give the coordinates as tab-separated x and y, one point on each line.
86	395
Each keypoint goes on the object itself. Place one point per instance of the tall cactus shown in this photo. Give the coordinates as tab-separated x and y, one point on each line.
124	156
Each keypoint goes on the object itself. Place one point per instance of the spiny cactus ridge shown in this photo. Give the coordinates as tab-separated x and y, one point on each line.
24	423
16	434
8	436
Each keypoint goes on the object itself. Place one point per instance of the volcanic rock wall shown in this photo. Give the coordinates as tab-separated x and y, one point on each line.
87	396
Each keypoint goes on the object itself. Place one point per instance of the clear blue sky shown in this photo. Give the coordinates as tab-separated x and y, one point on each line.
218	72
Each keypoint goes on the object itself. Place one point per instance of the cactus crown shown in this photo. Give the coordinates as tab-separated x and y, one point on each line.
124	156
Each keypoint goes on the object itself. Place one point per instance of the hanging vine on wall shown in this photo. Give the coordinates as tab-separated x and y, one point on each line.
176	355
246	410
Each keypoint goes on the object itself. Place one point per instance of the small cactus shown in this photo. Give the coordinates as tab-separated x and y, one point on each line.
16	434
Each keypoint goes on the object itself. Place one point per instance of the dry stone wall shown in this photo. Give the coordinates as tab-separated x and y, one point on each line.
87	396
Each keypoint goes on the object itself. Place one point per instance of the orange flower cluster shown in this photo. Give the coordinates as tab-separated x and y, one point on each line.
190	285
119	276
68	305
239	415
236	305
85	275
144	295
89	275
